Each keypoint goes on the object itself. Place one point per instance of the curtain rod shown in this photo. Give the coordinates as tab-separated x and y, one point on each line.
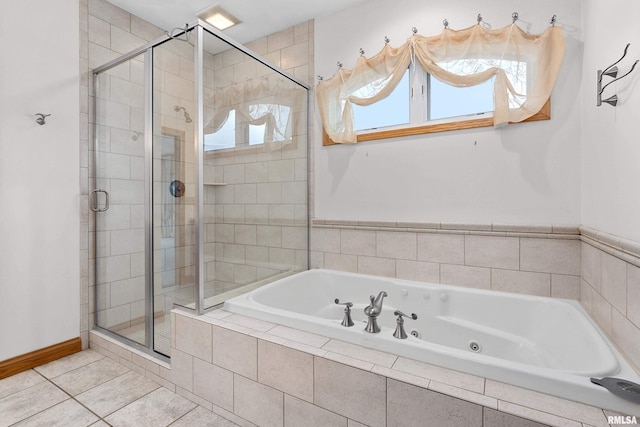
445	22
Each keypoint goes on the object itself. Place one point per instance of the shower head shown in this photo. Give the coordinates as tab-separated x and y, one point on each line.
187	117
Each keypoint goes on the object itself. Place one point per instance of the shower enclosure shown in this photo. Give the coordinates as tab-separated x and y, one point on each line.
200	172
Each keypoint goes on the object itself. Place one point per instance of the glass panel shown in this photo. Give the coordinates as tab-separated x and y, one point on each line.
120	238
174	185
450	101
390	111
255	173
224	137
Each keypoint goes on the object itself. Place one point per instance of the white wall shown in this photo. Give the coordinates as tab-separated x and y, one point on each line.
524	174
611	136
39	194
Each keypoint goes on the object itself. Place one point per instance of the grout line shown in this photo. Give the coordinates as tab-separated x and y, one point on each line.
70	396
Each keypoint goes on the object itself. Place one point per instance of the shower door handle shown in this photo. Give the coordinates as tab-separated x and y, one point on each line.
93	203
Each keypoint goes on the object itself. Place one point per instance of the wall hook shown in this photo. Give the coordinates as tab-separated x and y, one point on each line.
612	71
41	118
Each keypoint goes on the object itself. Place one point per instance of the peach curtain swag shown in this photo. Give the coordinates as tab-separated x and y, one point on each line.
460	58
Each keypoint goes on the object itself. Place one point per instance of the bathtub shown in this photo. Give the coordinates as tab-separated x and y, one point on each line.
544	344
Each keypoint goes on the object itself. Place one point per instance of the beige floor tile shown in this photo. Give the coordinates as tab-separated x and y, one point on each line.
158	408
19	382
102	388
26	403
69	363
67	413
201	417
116	393
89	376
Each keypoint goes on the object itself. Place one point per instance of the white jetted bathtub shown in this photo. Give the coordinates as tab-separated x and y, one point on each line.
545	344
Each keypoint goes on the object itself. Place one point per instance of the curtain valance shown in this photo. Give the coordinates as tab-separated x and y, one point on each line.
460	58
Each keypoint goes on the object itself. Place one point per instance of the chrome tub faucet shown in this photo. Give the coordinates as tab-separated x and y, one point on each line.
372	311
346	321
400	332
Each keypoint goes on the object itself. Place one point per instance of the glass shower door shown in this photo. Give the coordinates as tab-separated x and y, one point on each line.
118	200
144	194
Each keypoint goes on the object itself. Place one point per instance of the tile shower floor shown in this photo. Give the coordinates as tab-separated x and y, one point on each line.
88	389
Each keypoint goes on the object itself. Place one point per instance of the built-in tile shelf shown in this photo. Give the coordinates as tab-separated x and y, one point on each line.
216	183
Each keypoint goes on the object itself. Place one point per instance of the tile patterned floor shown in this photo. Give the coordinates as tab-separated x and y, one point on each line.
88	389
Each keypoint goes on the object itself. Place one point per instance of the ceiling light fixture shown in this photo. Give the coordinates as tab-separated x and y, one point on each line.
218	17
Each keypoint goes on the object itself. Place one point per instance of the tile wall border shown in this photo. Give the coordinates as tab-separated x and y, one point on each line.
625	249
479	229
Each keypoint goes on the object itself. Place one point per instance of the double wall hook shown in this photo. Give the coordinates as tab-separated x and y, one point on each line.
41	118
612	71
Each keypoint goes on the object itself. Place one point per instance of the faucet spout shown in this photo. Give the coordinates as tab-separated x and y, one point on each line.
375	308
372	311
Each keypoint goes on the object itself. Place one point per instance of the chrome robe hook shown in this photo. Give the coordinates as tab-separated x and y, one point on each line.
611	71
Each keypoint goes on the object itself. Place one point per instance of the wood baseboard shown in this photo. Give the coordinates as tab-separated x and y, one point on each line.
39	357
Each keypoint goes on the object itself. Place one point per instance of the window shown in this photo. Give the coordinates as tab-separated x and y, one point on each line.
420	97
256	125
391	111
446	101
524	68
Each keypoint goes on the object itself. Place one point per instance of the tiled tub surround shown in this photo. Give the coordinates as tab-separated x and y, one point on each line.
610	288
256	372
533	260
548	345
